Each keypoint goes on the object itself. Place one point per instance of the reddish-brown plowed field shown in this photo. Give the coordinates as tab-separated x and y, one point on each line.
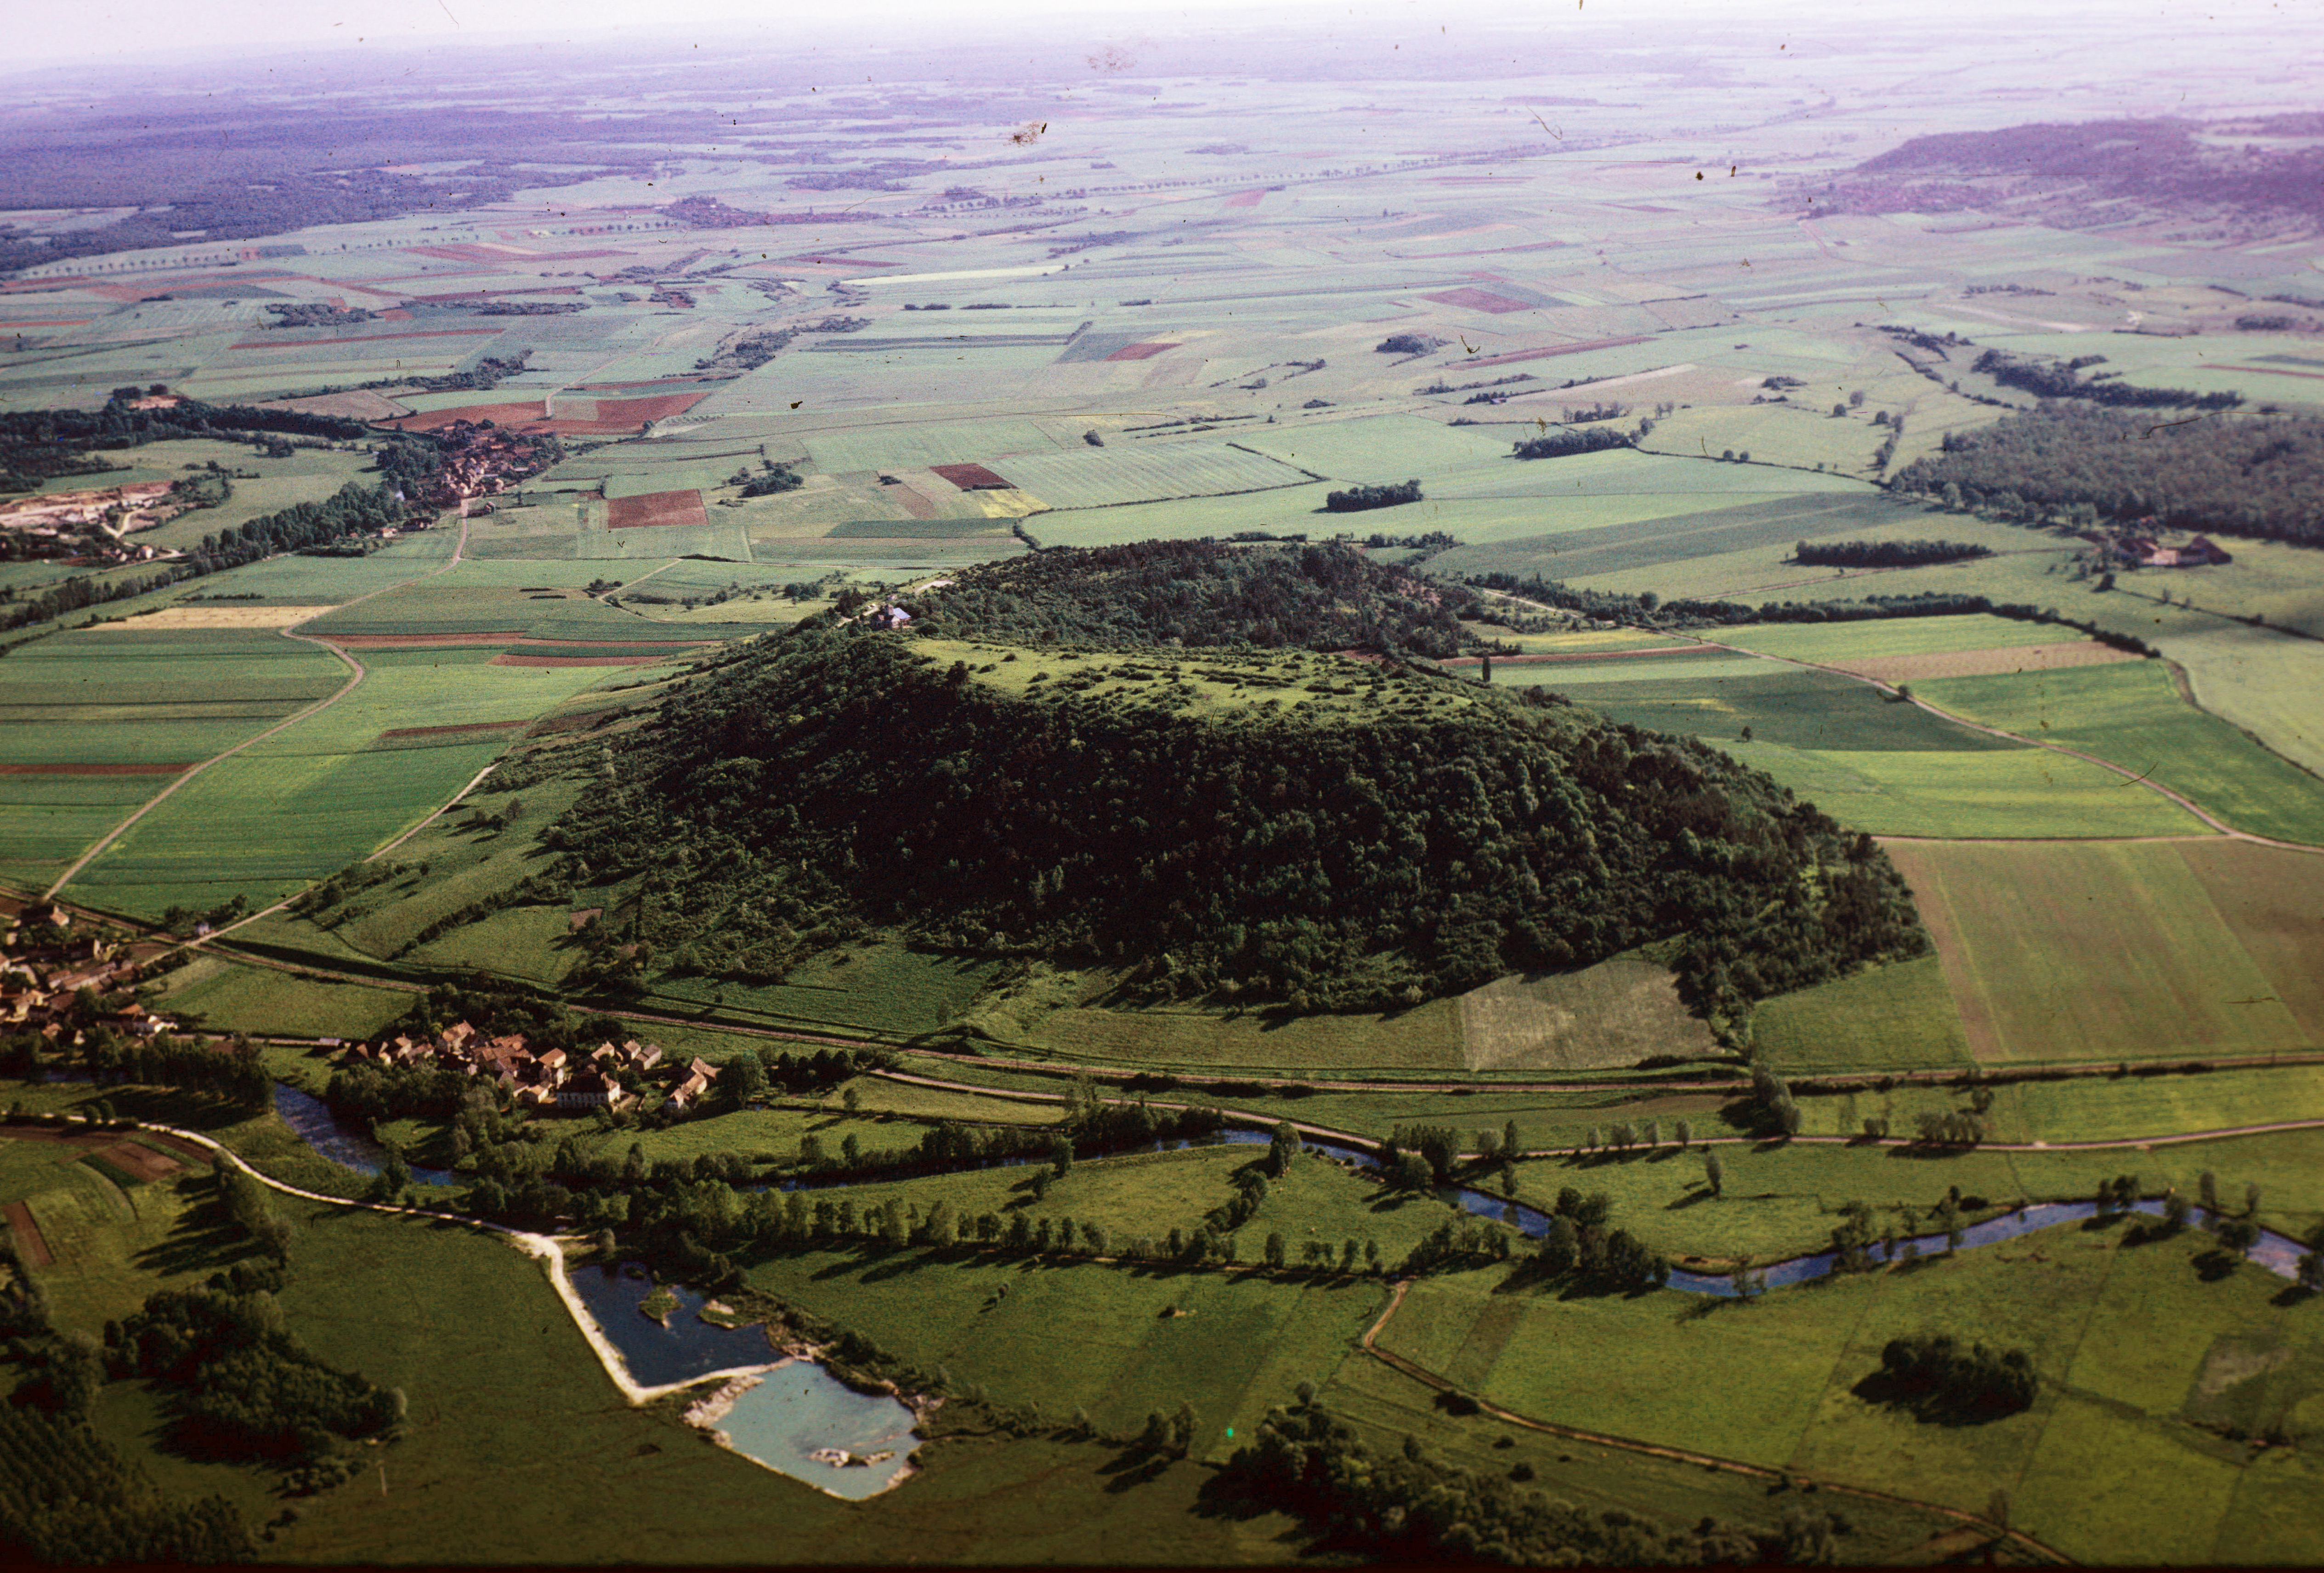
1982	662
488	294
94	769
1480	300
1571	349
529	415
415	731
1245	198
649	406
28	1235
193	1151
654	510
51	322
138	1160
512	660
370	338
556	723
420	641
664	644
1587	657
612	417
974	477
1140	352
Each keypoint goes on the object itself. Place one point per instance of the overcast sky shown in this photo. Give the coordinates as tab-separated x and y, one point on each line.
111	30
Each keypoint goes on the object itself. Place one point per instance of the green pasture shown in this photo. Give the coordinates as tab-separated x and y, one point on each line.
487	1407
2010	793
2095	951
223	996
1831	643
2111	1434
1790	708
2130	713
882	986
917	445
1388	1405
1899	1016
1071	1335
1368	447
1590	555
1118	474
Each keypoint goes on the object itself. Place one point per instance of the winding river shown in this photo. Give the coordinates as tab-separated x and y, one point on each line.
2278	1254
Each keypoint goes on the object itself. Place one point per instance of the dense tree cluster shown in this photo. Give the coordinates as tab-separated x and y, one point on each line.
244	1389
1941	1379
1406	1507
2251	475
1324	596
2176	165
2050	379
1357	864
1565	443
1357	499
67	1495
39	445
1886	554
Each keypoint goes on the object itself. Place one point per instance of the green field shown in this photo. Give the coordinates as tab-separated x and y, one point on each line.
2131	714
1899	1016
2107	953
2135	1350
1789	707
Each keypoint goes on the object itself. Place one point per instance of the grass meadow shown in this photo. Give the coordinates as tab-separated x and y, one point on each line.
2138	1350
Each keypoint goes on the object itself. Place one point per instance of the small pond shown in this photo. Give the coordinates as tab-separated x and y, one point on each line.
800	1410
782	1421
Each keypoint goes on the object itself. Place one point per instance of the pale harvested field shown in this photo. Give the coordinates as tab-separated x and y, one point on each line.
361	404
1615	1013
203	615
1984	663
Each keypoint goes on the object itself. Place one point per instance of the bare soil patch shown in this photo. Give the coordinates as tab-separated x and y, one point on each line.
420	641
363	404
29	1240
472	726
1140	352
199	615
140	1159
655	510
971	477
1474	299
1984	663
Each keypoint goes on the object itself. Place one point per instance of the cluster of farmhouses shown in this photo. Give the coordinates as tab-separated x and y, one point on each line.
45	967
549	1079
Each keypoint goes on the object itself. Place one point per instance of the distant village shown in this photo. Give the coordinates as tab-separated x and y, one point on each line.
545	1079
45	965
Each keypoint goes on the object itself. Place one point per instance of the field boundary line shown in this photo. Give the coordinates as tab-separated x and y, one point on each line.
1367	1343
2136	779
355	666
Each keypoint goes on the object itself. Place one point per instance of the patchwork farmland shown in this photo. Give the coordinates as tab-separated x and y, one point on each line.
1649	482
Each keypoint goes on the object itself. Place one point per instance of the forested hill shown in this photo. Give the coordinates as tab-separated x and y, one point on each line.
2167	163
1399	834
1203	593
